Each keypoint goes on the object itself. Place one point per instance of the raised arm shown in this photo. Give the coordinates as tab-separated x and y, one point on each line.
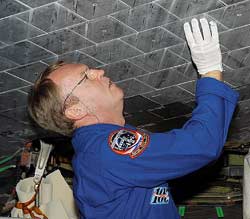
201	139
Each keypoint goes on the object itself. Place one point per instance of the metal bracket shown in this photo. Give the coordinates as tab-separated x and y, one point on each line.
42	161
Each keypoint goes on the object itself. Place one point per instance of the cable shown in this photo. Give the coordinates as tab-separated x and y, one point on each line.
6	159
2	169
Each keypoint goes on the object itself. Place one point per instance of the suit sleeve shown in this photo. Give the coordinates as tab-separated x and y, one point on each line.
180	151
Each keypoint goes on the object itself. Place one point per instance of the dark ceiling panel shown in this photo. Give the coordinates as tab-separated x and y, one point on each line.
36	3
149	40
238	77
80	28
237	58
133	86
139	103
25	90
79	57
145	17
53	16
9	145
111	51
12	100
142	118
9	82
244	92
6	63
236	38
181	50
157	60
94	9
107	29
11	7
61	41
139	43
229	2
233	16
165	78
122	70
177	27
24	52
134	3
175	109
189	86
28	72
14	30
167	125
150	61
185	9
170	95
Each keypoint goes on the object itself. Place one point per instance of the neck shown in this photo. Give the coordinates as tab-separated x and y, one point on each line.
109	118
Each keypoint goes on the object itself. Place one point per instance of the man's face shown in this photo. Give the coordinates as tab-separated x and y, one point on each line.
96	91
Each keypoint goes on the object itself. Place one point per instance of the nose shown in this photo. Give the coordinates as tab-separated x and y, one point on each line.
95	74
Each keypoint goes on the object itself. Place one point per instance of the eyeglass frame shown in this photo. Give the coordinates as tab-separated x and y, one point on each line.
73	89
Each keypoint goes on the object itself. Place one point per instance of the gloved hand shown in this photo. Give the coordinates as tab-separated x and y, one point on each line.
205	50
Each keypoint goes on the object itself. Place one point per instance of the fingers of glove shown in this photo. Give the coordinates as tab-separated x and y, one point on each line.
214	30
189	34
196	31
205	29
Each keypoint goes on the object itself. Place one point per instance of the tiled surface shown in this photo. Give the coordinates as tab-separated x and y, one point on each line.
62	41
111	51
9	82
170	95
185	9
28	72
94	9
123	70
139	43
53	17
233	16
153	39
107	29
10	7
24	52
144	17
12	100
36	3
134	86
11	26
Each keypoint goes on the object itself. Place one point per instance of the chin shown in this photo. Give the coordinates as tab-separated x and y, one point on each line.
121	92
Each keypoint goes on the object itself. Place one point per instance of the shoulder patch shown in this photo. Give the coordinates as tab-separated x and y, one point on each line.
128	142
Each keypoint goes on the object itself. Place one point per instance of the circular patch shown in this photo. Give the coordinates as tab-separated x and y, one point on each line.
128	142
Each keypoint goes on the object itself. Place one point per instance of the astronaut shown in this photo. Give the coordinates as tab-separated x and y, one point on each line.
122	172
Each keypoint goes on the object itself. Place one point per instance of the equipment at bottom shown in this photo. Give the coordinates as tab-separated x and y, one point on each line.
43	198
55	198
246	187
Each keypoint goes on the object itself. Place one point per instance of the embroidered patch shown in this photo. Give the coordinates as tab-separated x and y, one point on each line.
128	142
159	196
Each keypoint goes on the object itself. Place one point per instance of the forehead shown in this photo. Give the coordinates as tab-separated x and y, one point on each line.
67	73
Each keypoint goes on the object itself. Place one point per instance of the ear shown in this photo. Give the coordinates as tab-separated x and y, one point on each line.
76	112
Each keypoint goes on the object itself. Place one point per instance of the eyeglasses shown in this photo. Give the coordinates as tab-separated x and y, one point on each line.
85	76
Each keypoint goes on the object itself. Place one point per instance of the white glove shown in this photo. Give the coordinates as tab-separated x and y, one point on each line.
205	51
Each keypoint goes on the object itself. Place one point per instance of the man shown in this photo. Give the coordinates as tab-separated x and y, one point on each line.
121	172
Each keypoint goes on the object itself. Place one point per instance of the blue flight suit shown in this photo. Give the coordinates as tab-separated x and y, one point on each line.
122	173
